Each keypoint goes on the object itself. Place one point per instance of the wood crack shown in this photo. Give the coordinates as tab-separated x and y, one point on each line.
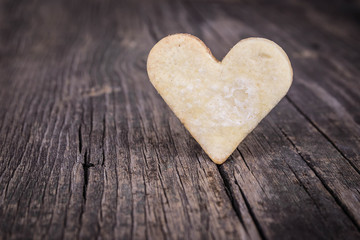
103	142
242	157
86	167
145	204
251	212
80	139
234	203
304	187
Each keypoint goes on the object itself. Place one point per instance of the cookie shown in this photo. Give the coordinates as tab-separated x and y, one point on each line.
219	103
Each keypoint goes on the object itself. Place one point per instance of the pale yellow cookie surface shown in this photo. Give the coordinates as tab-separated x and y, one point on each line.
219	102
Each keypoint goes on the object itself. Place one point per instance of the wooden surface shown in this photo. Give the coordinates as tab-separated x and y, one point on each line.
89	150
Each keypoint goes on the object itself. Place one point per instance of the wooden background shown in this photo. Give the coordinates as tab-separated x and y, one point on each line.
89	150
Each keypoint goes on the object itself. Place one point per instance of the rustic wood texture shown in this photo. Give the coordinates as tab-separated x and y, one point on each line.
89	150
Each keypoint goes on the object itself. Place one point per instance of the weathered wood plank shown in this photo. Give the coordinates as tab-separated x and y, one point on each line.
88	149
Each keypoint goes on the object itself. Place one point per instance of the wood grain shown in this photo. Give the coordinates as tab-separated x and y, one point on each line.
89	150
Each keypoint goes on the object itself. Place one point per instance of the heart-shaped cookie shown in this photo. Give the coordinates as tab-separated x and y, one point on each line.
219	102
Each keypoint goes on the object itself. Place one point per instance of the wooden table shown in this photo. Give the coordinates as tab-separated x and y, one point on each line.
88	149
